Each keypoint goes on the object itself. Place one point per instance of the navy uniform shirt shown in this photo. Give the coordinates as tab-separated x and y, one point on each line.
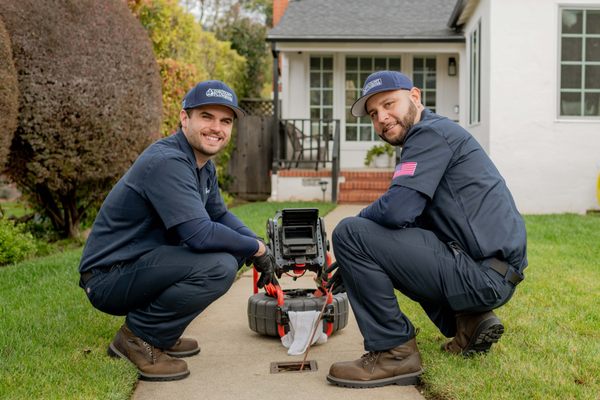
468	200
163	189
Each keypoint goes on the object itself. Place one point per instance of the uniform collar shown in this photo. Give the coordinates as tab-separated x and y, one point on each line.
184	145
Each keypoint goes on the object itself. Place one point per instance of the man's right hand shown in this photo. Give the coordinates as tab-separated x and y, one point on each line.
336	282
265	264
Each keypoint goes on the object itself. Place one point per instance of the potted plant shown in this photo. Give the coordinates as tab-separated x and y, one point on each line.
380	156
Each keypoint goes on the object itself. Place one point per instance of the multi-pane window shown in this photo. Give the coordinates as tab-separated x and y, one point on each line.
424	77
321	87
580	62
475	75
357	71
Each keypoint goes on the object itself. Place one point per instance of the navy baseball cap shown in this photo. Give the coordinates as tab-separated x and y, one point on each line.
377	82
212	92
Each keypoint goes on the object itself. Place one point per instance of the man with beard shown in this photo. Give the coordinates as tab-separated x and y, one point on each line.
447	234
164	246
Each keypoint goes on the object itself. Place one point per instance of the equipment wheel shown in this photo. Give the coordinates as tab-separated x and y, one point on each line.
263	309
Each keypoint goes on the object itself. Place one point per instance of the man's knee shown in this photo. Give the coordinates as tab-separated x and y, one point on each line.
343	230
223	272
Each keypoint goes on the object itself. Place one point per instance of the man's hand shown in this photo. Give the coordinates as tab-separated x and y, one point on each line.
336	280
265	264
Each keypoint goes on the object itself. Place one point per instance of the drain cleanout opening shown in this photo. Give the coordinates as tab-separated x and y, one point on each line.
293	366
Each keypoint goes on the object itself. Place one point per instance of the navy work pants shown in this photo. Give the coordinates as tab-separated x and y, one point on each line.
163	291
374	260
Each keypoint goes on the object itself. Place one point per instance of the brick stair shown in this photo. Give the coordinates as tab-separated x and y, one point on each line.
363	186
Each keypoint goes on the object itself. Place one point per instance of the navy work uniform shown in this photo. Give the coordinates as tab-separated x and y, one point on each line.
134	262
463	250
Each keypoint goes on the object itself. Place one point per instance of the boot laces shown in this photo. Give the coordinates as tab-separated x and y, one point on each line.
150	350
370	358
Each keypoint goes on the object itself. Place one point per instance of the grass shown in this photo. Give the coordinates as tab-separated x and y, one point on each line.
14	208
551	348
53	342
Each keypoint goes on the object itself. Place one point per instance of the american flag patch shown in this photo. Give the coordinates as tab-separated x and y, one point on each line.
405	168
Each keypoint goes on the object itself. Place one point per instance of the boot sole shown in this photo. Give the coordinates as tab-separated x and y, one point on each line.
115	353
486	334
401	380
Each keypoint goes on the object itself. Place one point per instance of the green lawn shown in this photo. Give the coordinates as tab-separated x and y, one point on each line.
15	208
53	343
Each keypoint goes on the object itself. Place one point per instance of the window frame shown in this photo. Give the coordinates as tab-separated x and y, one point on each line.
583	64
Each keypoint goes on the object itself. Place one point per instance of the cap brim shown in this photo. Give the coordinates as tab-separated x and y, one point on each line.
358	108
239	113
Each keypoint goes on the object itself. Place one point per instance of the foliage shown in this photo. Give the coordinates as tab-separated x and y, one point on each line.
9	95
379	150
90	102
248	38
15	243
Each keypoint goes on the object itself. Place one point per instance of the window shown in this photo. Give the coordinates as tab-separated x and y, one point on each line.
580	63
321	87
424	77
357	71
475	75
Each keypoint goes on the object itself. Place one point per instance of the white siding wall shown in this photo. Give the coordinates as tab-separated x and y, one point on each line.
551	164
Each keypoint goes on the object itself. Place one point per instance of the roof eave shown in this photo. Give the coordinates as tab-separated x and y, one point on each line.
405	39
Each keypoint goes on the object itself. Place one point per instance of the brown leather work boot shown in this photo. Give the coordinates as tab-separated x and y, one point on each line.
183	347
475	333
152	363
398	366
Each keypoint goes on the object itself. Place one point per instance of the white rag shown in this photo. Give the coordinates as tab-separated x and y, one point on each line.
302	324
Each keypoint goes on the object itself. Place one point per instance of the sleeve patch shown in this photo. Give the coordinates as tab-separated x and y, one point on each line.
405	168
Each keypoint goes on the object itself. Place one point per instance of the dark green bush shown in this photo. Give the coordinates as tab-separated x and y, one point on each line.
90	102
15	243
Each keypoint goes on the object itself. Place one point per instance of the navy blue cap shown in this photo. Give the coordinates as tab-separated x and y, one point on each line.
212	92
377	82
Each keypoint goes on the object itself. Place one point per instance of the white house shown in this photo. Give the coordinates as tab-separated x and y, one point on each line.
523	76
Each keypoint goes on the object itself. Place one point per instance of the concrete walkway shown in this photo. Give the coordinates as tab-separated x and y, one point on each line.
235	362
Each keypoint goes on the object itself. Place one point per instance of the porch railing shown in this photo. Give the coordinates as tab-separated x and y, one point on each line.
309	143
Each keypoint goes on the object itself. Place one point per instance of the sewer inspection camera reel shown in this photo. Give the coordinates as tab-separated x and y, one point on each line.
297	239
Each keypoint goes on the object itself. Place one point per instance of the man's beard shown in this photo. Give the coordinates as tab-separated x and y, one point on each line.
405	124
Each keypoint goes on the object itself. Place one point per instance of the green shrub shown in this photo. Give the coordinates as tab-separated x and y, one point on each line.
379	150
15	243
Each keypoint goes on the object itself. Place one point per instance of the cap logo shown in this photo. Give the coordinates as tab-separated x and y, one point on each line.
371	85
219	93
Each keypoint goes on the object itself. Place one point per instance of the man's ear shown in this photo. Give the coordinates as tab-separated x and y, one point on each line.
183	118
415	95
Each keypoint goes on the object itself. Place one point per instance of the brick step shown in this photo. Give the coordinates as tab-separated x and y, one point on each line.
362	196
368	175
381	185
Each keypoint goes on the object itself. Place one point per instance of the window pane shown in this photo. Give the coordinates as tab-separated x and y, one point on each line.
328	79
352	80
418	79
430	81
593	21
328	63
418	64
592	49
315	80
327	97
363	78
350	97
572	21
570	104
351	63
570	77
365	132
592	76
430	100
350	119
351	133
571	49
380	64
315	113
328	113
315	63
366	64
394	64
315	97
430	64
592	104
